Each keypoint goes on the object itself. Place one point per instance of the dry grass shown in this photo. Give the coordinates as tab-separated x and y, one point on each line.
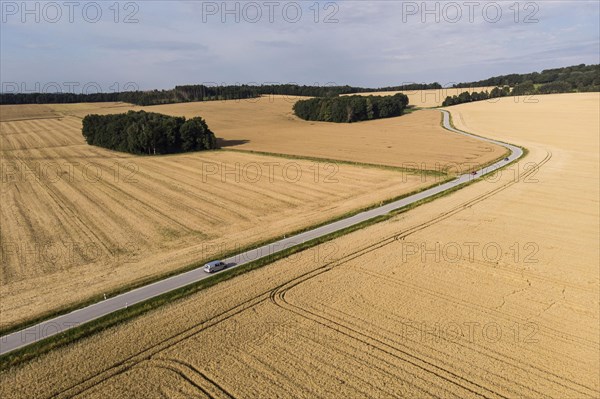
365	316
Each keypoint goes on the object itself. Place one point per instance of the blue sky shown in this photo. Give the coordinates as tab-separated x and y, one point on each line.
364	43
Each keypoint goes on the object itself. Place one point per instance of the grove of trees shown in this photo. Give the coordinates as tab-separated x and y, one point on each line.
351	108
148	133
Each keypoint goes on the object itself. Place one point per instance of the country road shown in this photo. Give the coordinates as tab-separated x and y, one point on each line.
45	329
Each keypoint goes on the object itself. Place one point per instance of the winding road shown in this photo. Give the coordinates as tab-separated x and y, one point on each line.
48	328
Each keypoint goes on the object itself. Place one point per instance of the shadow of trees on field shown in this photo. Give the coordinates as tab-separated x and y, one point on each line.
230	143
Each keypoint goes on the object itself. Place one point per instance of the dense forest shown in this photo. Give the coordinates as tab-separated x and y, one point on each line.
199	93
148	133
351	108
580	78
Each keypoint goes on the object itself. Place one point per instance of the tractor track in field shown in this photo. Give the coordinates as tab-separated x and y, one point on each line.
276	295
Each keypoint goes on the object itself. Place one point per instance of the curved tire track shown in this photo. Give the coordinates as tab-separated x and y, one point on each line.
277	294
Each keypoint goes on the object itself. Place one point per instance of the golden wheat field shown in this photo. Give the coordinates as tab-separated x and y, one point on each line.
491	291
80	221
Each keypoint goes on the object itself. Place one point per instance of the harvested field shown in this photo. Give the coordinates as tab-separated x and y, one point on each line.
26	111
75	215
43	111
79	221
491	291
411	139
416	140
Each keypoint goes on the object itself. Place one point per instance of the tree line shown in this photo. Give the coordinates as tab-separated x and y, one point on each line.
577	78
467	97
347	109
190	93
524	88
580	78
148	133
151	97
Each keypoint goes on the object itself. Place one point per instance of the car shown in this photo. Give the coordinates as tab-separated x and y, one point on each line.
214	266
474	173
506	159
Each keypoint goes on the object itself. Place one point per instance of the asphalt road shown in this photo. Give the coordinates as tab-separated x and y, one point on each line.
19	339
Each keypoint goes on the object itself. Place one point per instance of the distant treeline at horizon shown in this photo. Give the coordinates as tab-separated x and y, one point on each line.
578	78
191	93
581	78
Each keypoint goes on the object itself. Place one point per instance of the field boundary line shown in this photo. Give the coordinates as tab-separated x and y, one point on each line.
340	161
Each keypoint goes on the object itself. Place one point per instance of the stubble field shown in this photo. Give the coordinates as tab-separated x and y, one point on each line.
79	221
490	292
268	124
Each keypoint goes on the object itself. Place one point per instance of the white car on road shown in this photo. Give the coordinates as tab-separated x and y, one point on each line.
215	266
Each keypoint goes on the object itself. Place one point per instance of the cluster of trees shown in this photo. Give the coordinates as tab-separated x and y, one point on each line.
467	97
148	133
580	78
351	108
199	93
561	87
